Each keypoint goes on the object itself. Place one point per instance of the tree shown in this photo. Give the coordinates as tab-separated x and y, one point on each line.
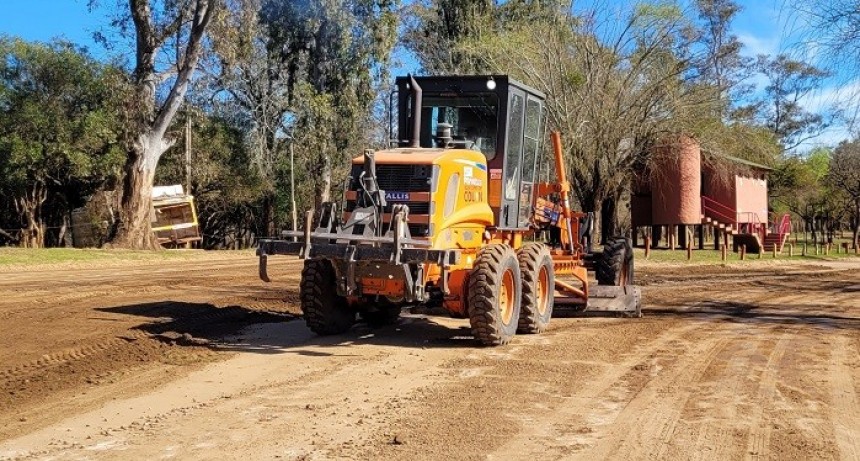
844	175
158	92
789	81
335	51
721	65
251	71
613	88
436	29
59	130
798	184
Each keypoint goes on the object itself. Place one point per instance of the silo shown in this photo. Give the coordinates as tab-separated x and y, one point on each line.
677	182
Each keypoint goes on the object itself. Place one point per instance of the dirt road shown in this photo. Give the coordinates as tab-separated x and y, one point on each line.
197	359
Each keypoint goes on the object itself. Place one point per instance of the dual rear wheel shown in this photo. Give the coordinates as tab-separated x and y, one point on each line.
510	292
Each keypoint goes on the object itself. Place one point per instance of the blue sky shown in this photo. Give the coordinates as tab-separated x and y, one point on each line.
763	26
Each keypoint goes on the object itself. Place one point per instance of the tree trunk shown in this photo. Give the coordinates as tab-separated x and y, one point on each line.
135	227
856	224
324	184
608	219
30	207
269	224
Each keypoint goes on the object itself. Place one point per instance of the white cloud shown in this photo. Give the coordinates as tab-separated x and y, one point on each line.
756	45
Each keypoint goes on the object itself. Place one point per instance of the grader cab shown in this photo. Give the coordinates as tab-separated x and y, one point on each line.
455	215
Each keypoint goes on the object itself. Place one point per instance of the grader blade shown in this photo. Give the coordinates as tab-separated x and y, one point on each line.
621	299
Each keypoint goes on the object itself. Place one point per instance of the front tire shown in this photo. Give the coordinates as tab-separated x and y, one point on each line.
325	312
538	288
494	295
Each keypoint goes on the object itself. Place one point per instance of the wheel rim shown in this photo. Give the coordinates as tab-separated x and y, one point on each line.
506	297
543	290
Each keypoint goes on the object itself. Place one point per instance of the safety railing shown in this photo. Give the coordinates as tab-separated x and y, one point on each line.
716	210
781	224
745	222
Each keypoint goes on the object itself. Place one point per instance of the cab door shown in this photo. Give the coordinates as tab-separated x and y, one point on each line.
531	148
512	171
525	125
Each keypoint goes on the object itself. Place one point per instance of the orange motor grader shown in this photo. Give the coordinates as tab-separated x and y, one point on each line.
454	215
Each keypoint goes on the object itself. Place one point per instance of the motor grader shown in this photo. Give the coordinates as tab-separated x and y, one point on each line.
454	214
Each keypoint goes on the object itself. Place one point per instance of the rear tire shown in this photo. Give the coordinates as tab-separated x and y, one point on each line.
494	295
615	265
325	312
538	288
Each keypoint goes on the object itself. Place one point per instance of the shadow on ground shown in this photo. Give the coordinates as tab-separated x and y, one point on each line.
241	329
733	311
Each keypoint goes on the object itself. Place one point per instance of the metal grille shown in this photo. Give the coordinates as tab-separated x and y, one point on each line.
398	178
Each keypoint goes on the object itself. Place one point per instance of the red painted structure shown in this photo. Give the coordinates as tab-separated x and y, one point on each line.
727	193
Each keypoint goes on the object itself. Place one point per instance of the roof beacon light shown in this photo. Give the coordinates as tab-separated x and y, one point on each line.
491	84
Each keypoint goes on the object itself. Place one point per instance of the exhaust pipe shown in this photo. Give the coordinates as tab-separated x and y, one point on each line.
416	112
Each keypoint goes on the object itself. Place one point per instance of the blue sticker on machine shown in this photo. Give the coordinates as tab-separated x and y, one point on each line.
397	196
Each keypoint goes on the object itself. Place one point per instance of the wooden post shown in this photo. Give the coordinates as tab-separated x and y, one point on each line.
656	236
671	238
816	249
790	250
682	235
647	246
700	229
774	251
724	253
716	237
689	250
743	252
760	251
827	250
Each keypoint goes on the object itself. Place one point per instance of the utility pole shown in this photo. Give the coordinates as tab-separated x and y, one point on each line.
293	186
188	153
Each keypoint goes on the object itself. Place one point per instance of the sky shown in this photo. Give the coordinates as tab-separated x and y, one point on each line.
763	26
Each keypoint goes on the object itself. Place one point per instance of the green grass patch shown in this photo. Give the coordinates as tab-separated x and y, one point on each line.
711	256
26	256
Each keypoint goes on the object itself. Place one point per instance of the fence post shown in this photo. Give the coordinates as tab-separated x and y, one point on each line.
647	246
790	250
723	252
743	252
774	251
689	249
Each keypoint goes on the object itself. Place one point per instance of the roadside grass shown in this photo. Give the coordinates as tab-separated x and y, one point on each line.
28	256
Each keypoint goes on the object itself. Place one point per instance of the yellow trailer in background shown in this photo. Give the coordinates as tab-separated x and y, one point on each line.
174	220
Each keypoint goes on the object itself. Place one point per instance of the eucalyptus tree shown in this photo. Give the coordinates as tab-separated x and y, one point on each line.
168	37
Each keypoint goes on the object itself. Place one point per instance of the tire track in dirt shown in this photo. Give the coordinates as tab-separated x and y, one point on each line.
531	441
758	444
845	409
644	428
729	378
